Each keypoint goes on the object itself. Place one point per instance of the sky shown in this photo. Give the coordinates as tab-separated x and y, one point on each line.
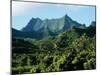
22	12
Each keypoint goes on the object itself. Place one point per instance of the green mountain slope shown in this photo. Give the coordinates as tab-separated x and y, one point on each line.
37	28
72	50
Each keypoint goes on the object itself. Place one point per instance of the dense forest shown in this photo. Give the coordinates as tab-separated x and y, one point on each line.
71	50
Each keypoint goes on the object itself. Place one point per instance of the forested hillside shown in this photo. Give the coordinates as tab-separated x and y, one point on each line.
71	50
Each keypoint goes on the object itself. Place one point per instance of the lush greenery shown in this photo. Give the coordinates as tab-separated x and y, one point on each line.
68	51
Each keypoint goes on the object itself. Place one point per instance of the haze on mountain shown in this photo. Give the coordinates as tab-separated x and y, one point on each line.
38	28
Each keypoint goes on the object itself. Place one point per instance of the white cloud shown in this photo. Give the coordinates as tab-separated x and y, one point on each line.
71	7
74	7
18	8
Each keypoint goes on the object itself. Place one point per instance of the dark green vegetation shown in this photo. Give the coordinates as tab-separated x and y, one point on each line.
70	50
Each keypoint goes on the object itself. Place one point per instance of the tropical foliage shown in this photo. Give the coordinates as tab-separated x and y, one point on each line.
74	49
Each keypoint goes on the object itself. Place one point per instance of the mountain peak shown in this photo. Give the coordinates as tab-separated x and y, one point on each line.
49	27
34	19
66	15
30	25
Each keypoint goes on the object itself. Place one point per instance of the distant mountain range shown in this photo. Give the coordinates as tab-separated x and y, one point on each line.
37	28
